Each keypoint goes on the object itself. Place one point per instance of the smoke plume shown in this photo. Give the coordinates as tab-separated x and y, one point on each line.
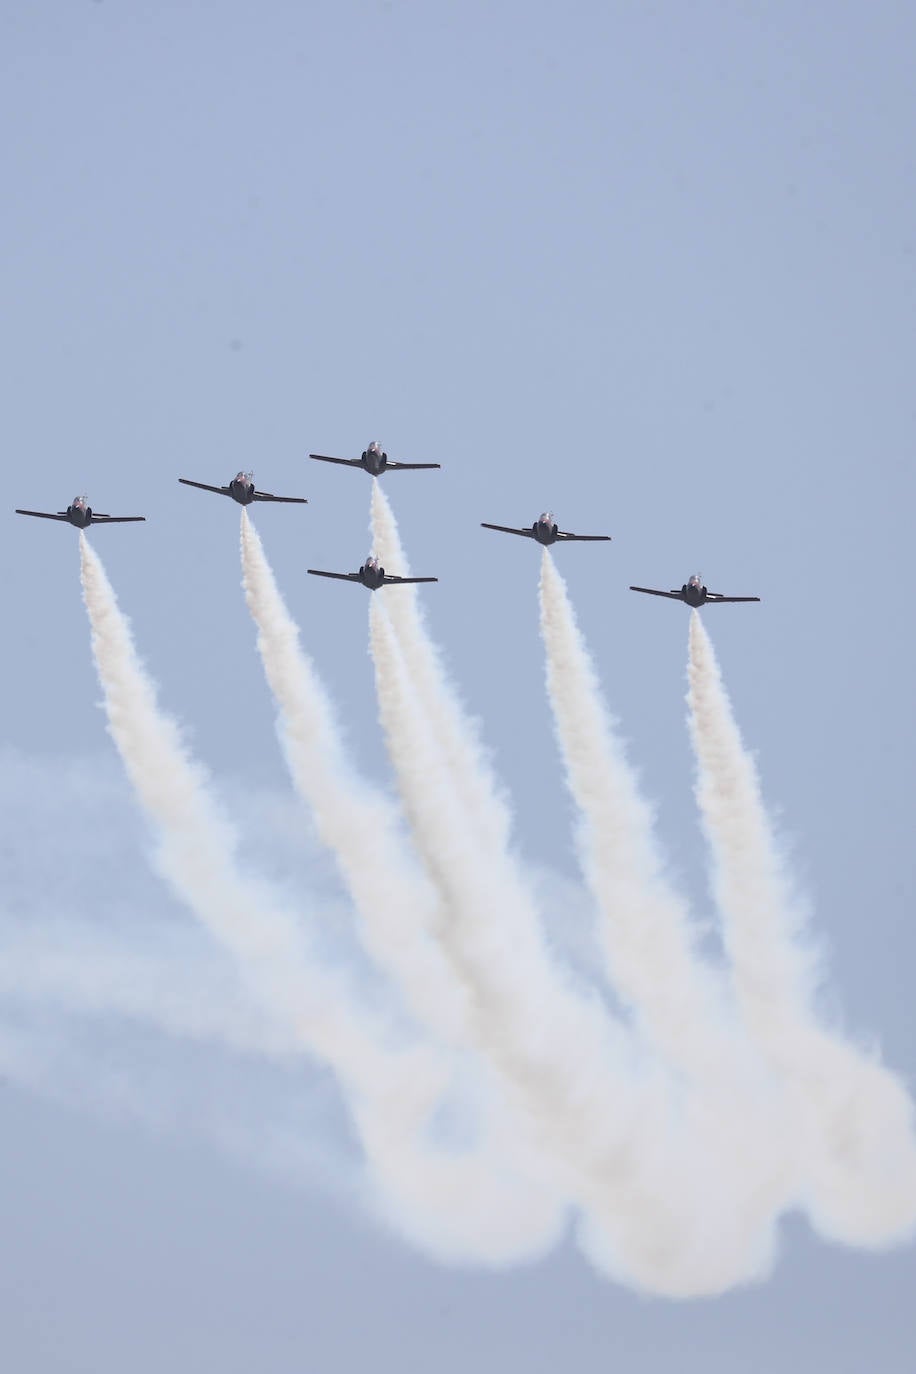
650	1195
496	1090
391	1092
396	905
853	1115
648	942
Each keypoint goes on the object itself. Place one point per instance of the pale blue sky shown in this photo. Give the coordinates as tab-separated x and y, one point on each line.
651	266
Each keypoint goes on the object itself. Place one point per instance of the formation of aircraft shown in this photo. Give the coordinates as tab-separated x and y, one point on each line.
81	515
545	531
243	490
371	575
693	593
374	461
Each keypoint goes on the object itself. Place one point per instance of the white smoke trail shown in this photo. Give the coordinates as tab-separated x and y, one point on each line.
503	1210
656	1214
357	824
856	1118
457	736
648	943
198	847
391	1094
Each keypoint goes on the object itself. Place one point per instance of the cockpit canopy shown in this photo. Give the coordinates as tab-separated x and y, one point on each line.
695	580
79	503
245	478
547	517
375	447
372	563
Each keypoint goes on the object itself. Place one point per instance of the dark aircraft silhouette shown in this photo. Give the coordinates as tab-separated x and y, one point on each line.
373	460
242	489
693	593
371	575
81	515
545	531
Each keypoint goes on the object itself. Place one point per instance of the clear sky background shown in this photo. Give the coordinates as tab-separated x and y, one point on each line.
649	265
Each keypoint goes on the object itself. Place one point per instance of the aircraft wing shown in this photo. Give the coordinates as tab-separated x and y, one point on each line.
347	462
43	514
587	538
408	579
717	596
287	500
651	591
343	577
220	491
394	467
507	529
115	519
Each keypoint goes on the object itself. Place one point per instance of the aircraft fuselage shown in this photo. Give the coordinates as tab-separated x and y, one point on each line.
240	491
372	576
693	594
374	461
544	532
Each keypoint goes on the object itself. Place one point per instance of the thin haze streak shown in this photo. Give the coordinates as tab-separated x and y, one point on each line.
855	1117
82	970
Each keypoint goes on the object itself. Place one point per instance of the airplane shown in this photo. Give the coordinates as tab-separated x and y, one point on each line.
81	515
693	593
242	489
373	460
371	575
545	531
